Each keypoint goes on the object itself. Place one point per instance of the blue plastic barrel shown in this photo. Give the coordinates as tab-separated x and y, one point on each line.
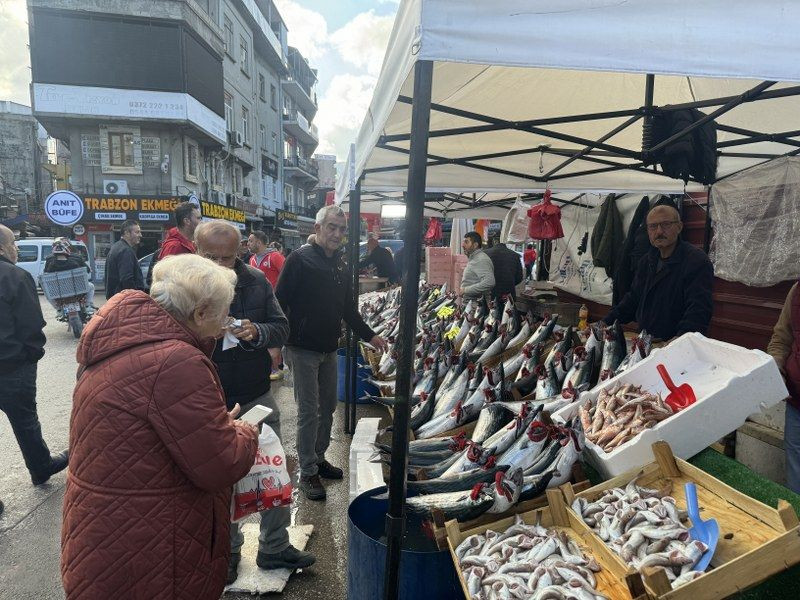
425	571
363	372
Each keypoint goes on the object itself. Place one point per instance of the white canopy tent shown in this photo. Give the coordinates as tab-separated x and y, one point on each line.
515	96
506	75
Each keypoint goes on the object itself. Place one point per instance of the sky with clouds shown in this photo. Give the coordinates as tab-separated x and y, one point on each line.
343	39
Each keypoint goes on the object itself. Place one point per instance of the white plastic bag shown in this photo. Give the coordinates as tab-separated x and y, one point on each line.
268	484
518	230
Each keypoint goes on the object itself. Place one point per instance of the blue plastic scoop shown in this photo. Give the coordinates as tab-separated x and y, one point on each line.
704	531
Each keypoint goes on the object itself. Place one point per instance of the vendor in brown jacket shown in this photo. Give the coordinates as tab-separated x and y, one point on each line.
785	349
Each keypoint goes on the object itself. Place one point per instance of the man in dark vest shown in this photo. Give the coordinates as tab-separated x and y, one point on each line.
244	373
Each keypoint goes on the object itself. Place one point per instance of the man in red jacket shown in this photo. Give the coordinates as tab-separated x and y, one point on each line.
266	259
179	239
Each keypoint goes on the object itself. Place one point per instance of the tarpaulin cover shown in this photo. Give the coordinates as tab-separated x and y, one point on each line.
756	216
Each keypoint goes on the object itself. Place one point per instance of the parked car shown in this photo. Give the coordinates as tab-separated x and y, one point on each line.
144	264
34	251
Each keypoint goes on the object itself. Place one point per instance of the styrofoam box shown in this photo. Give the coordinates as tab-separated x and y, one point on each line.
364	475
730	383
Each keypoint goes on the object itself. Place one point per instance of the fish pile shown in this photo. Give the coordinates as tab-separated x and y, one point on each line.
620	414
526	562
644	527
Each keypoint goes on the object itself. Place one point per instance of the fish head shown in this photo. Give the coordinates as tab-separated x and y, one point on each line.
459	442
579	353
476	491
540	371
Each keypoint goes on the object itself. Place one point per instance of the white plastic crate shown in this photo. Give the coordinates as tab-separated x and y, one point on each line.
730	383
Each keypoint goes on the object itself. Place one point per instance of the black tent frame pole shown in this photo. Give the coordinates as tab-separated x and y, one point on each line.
351	377
415	205
708	230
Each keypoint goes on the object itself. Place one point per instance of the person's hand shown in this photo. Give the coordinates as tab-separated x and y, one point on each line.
379	343
234	412
247	332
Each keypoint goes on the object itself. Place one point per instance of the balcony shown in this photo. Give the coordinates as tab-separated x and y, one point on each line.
306	98
296	125
300	169
302	211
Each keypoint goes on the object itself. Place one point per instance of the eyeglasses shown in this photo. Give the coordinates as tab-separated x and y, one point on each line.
664	225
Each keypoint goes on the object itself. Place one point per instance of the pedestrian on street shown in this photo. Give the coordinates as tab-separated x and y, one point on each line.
507	266
478	278
244	374
122	268
179	238
529	257
21	347
244	252
268	260
315	296
62	259
155	450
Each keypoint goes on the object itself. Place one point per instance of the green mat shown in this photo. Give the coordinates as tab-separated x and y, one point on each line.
784	586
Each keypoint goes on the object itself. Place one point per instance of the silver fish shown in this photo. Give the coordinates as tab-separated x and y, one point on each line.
459	505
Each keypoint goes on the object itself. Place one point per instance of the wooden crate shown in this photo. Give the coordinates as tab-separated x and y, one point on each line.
579	483
611	580
756	541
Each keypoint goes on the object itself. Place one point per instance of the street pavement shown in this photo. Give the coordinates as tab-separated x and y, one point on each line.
30	527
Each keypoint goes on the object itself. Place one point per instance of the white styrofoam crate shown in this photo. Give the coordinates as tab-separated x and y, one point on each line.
364	475
730	383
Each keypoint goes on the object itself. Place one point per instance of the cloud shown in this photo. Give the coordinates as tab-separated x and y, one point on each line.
341	112
15	74
362	41
308	29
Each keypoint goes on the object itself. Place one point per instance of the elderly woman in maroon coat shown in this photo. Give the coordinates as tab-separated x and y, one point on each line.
153	452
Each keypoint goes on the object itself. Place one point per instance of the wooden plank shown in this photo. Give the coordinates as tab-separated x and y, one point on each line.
665	459
557	507
787	515
757	509
656	581
633	580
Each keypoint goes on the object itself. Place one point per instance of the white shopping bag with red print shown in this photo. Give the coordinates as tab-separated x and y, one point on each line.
268	484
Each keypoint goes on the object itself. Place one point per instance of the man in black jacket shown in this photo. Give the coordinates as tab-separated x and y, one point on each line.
314	294
380	257
671	291
507	270
244	373
21	346
122	268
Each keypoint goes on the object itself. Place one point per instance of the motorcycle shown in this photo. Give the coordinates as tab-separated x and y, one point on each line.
67	290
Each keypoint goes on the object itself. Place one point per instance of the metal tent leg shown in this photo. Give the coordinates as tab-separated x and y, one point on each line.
417	168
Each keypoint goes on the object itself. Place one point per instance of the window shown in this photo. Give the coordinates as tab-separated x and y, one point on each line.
246	125
262	87
228	26
120	149
228	111
288	148
191	160
217	174
27	253
273	94
243	59
275	148
263	135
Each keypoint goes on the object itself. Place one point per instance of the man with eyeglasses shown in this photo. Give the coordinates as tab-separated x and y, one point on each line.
671	291
314	293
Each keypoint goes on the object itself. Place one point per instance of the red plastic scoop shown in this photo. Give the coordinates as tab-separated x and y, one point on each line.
680	396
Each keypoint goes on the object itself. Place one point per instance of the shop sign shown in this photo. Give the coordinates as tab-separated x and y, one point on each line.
79	229
106	208
63	207
285	219
217	211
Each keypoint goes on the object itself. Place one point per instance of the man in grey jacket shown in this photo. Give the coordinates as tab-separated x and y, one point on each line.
478	276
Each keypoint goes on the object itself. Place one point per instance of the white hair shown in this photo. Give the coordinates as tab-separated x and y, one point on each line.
331	210
185	282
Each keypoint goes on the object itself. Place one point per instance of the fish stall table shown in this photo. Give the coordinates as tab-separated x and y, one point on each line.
371	284
785	585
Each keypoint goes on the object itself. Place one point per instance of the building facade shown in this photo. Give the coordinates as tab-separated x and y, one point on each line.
162	101
20	156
